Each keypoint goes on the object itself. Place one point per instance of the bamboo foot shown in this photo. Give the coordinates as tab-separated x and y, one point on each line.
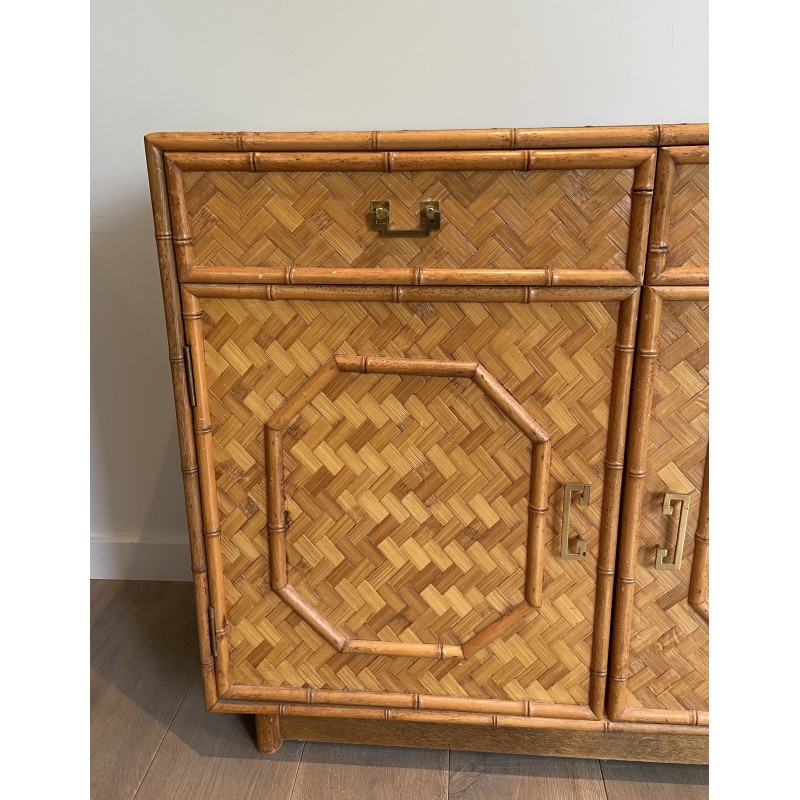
268	733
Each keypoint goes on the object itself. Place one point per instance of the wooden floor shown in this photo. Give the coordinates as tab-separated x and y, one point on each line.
151	739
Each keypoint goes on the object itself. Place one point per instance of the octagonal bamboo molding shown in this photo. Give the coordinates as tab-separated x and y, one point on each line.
278	519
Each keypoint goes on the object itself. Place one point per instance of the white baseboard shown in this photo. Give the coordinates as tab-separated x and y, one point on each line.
119	559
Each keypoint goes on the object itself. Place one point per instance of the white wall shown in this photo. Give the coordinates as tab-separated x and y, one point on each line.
161	65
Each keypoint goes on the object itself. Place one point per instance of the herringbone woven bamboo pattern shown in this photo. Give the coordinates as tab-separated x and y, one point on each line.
408	494
493	219
407	486
688	227
669	640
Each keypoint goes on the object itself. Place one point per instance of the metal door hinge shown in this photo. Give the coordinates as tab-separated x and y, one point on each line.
212	631
187	362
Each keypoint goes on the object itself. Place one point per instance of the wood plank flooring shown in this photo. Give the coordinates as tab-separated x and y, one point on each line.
151	738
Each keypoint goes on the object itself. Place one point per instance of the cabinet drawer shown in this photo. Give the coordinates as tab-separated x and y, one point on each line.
385	525
550	217
678	250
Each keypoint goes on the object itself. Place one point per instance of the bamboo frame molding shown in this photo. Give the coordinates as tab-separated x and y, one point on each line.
657	272
277	522
648	348
642	160
491	139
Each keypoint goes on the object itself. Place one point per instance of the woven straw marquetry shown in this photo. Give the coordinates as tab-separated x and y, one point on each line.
668	666
575	218
408	495
688	225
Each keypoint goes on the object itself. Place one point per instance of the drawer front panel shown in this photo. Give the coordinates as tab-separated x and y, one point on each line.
678	252
668	651
408	494
573	226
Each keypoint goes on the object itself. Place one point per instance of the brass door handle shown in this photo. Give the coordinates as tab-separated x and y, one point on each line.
583	500
429	215
667	509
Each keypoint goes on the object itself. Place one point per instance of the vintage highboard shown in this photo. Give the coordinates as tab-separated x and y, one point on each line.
442	401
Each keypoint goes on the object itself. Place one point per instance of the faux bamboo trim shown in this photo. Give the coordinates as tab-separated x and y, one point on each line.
662	200
490	139
408	276
683	134
612	492
405	366
658	730
395	700
508	622
192	314
638	432
698	293
664	716
182	232
681	276
276	517
302	608
698	583
455	718
189	469
504	277
409	161
414	294
537	519
414	715
594	277
641	204
501	398
411	649
310	389
697	154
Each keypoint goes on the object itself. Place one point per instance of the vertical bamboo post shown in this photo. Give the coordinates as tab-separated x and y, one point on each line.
612	491
666	172
638	431
183	412
182	232
268	733
537	519
276	513
192	315
641	203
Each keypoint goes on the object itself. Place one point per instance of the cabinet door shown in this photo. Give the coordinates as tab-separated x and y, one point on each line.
385	474
659	663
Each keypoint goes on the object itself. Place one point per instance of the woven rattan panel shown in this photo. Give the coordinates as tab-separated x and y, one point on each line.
408	494
669	640
494	219
688	228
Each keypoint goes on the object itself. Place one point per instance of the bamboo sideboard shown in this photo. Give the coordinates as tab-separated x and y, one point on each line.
442	401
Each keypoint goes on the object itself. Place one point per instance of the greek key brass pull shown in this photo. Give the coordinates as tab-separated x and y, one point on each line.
583	500
429	215
661	553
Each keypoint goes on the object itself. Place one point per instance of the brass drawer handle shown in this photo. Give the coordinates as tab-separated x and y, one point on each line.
583	500
429	215
667	509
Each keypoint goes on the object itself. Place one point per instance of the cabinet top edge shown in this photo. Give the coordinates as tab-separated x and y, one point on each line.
479	139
